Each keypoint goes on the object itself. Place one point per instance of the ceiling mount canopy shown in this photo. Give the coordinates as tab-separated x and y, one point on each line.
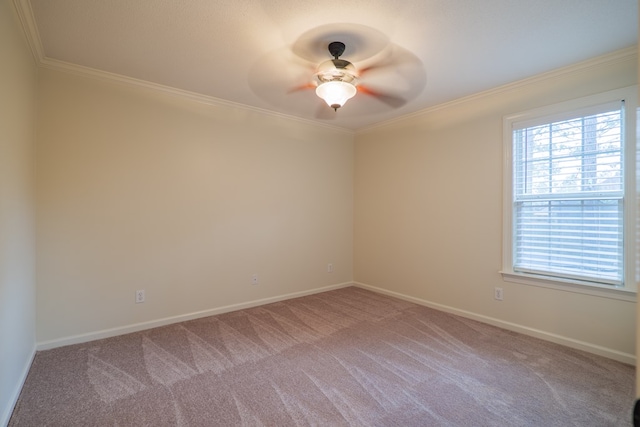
336	49
337	78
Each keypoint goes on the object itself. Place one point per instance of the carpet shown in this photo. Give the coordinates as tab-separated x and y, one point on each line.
347	357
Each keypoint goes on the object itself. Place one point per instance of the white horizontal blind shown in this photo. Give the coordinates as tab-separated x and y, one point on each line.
568	197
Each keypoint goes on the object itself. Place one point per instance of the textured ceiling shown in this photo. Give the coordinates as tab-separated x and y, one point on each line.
259	53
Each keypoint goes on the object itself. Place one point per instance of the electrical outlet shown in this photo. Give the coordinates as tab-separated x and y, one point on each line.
329	268
498	294
254	279
140	296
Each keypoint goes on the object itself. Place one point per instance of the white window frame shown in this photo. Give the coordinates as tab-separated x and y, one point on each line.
550	113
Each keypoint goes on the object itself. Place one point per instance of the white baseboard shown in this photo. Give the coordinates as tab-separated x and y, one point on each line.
107	333
558	339
13	399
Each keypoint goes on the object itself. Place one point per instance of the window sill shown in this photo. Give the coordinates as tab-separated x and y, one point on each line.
570	286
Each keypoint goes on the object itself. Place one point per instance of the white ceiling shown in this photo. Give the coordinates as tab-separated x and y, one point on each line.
257	52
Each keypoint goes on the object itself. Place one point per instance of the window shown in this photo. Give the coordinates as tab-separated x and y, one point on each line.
568	171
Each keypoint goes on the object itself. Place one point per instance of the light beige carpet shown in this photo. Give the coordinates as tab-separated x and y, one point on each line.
347	357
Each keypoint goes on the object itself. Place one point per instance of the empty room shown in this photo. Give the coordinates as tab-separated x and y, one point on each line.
269	213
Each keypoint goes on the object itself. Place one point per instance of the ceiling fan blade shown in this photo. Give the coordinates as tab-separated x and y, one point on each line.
305	86
361	42
375	67
281	79
392	57
390	100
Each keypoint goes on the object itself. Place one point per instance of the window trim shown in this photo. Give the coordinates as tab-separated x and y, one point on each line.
628	291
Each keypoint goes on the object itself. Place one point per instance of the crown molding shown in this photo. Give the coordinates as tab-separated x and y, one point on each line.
622	55
29	27
106	76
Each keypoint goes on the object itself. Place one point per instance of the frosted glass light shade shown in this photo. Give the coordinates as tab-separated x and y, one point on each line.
336	93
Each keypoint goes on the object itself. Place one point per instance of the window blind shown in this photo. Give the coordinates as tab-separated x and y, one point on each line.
568	197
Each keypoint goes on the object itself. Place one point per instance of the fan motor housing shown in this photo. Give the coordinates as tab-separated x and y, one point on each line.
336	69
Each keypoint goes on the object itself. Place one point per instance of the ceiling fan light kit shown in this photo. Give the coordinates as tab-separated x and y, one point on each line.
336	93
336	78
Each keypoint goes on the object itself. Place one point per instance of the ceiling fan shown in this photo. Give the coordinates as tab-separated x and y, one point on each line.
363	65
337	80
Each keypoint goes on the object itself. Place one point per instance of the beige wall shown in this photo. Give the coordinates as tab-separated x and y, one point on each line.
140	190
17	247
428	215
